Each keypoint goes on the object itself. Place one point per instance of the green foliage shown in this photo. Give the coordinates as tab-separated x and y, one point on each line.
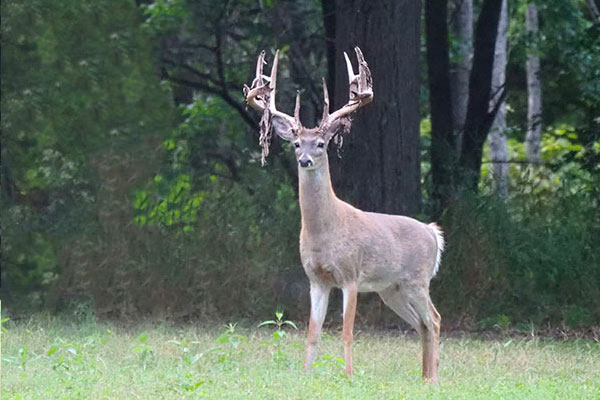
498	322
533	258
219	208
76	308
278	353
186	349
144	350
565	165
197	166
279	322
3	321
568	43
77	78
572	39
329	362
164	16
229	341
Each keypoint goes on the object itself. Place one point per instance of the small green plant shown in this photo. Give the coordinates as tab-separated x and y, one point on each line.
276	344
230	341
23	357
188	356
336	367
188	383
3	328
145	350
58	360
336	364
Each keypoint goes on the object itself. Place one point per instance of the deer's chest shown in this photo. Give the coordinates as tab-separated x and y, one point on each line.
328	263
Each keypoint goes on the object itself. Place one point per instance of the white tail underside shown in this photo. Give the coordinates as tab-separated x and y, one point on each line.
439	238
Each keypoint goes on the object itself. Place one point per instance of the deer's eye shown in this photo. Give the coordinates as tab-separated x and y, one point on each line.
297	145
320	145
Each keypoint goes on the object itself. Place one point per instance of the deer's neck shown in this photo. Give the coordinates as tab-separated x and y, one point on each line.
318	202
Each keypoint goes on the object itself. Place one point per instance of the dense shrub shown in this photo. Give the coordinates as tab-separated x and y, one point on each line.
533	259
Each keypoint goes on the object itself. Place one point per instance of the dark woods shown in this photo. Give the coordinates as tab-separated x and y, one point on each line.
131	174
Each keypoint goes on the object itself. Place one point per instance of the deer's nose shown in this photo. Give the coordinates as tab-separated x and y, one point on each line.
305	162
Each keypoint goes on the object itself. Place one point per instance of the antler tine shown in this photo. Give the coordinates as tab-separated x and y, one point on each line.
261	95
259	65
297	108
365	80
325	101
273	88
360	91
257	94
350	69
273	83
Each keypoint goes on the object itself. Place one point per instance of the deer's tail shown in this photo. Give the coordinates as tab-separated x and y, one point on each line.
439	239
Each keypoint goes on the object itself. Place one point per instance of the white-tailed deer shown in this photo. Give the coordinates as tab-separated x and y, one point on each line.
341	246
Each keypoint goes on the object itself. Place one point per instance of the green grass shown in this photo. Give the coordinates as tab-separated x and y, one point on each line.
46	358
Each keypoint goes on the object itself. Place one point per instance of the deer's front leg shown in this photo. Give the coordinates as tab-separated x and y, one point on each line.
319	298
350	292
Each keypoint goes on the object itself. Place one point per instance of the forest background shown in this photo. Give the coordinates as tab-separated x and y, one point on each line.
131	176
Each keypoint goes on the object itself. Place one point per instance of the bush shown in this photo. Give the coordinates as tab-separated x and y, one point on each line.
532	259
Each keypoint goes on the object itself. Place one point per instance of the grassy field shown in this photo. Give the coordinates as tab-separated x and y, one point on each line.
46	358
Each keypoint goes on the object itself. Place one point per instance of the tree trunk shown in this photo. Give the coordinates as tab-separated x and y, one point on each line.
498	148
479	118
380	169
443	149
461	28
534	88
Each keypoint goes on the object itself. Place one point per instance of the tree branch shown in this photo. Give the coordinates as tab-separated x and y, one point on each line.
229	161
219	57
188	68
224	94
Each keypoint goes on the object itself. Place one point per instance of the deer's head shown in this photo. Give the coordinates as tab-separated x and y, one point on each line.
310	143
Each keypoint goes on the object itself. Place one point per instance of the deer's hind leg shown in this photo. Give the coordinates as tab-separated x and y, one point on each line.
414	305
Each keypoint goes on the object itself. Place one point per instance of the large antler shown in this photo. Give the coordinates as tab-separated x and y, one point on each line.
261	96
361	90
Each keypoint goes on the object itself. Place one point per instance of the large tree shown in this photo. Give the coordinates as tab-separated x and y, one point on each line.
379	168
443	127
498	146
479	116
534	88
460	22
461	169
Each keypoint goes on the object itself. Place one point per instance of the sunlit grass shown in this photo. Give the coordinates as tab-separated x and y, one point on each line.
46	358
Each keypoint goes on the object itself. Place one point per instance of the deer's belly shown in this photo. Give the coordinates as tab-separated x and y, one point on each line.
376	277
372	286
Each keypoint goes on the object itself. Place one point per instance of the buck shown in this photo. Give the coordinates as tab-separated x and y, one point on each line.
342	246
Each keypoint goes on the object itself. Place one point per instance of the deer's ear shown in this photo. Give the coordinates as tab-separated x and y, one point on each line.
283	128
